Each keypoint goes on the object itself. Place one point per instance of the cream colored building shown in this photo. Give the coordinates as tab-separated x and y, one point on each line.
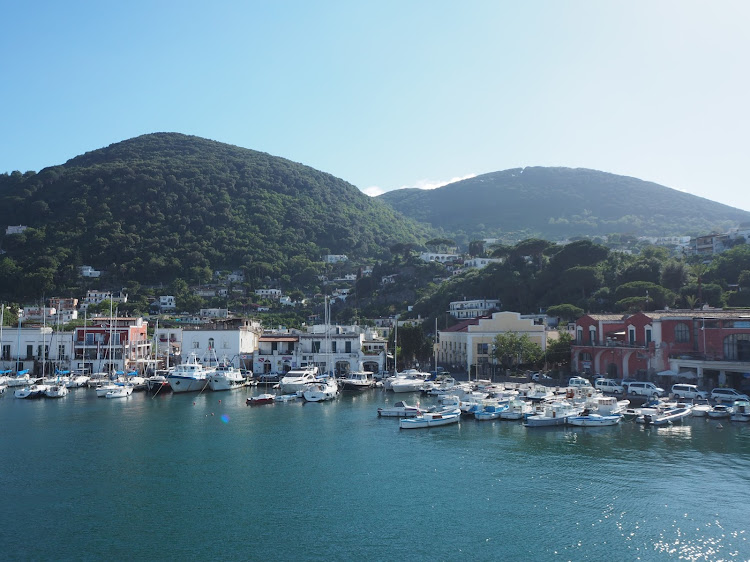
468	344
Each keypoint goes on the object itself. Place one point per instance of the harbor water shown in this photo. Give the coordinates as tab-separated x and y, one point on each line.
205	477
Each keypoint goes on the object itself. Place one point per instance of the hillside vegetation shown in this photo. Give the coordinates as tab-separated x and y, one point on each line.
165	206
556	203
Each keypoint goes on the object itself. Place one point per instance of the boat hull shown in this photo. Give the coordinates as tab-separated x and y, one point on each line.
187	384
431	419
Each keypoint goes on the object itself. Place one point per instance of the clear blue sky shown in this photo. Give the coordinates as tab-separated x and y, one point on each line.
389	94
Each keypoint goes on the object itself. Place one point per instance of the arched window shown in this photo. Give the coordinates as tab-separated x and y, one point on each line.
681	333
592	335
579	334
737	347
631	335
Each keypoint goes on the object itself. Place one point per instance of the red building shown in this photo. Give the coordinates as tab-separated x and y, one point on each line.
710	346
111	344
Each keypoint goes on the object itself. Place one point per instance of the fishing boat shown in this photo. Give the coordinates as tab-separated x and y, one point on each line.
430	419
552	413
516	410
400	410
189	376
357	381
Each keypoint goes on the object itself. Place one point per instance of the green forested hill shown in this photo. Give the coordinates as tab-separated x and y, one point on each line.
557	203
166	205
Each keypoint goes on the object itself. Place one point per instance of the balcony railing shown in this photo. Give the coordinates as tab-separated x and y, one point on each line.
613	343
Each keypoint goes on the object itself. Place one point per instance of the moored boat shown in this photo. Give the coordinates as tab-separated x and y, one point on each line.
741	411
260	399
56	391
296	379
400	410
553	413
357	381
720	411
120	391
430	419
190	376
32	391
593	420
226	377
324	389
667	417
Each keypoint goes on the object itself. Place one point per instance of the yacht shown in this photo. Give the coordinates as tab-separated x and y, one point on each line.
358	380
324	389
226	377
409	380
296	379
189	376
32	391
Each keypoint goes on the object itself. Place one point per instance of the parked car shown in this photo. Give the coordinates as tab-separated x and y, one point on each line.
727	395
625	382
689	391
609	385
640	388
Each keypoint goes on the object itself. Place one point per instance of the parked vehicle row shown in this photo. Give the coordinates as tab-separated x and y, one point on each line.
650	390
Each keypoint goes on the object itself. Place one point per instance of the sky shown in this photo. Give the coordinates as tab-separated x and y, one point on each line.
392	94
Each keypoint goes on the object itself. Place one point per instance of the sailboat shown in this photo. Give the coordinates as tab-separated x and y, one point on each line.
326	387
36	390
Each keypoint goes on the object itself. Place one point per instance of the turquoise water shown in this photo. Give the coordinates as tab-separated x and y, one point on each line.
206	477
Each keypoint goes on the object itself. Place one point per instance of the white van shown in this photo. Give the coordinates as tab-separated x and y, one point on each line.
578	382
689	391
608	385
645	389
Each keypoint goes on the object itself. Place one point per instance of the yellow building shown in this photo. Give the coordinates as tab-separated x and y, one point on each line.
468	345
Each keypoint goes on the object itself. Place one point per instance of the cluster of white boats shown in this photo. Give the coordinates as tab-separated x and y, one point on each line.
541	406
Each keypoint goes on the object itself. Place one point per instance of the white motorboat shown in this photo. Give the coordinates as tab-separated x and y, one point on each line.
32	391
517	409
430	419
552	413
741	411
400	410
720	411
491	411
189	376
296	379
409	380
77	381
120	391
324	389
357	381
667	417
593	420
701	406
226	377
56	391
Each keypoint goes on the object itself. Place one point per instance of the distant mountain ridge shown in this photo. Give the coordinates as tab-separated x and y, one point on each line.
167	205
556	203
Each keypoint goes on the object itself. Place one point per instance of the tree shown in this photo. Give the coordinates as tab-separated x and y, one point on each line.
558	351
674	275
476	248
567	312
413	345
512	349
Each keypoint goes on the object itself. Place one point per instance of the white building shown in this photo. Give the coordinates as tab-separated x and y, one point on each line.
214	313
15	229
480	263
234	341
335	258
274	294
167	302
340	348
25	348
38	314
475	308
88	271
442	258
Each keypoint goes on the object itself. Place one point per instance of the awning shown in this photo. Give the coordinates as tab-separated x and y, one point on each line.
687	375
667	373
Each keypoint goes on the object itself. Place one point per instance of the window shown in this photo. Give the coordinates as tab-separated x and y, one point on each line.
196	345
333	347
681	333
648	336
483	348
592	335
631	335
61	351
347	347
210	343
274	346
585	356
316	347
737	347
5	355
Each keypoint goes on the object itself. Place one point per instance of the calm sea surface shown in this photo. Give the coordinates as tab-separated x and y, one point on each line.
208	478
